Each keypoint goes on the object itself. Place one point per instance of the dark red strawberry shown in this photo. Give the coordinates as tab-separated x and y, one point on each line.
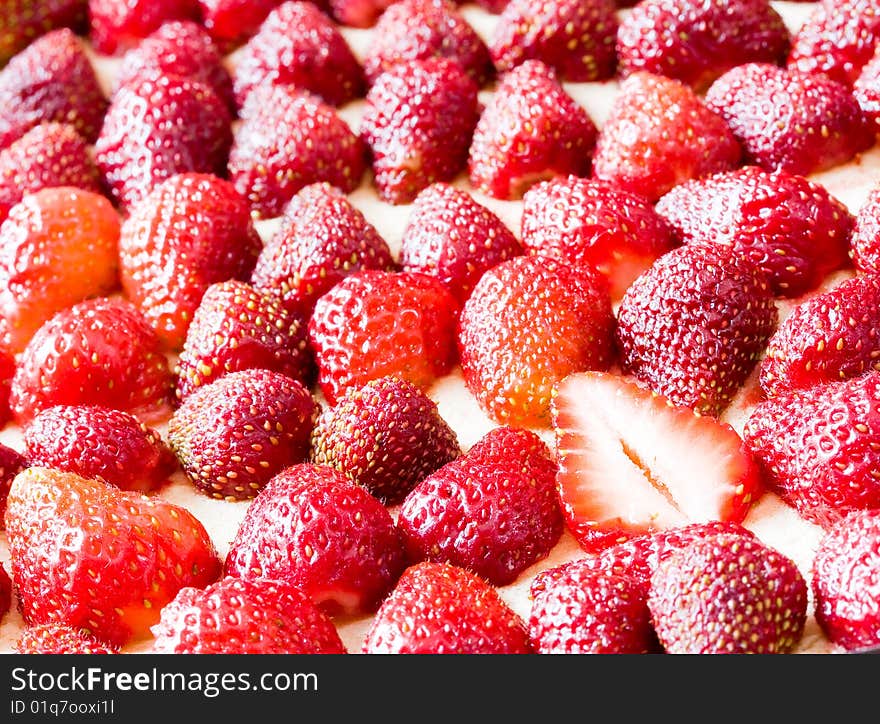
789	119
418	123
693	326
91	556
5	591
234	616
437	608
236	327
697	41
790	227
118	25
385	436
322	238
845	581
866	89
865	240
590	222
420	29
531	129
99	443
728	594
574	37
358	13
98	352
12	463
50	154
58	246
837	38
51	80
189	232
819	446
830	336
23	20
232	435
313	528
231	22
528	323
309	142
59	638
659	133
451	236
632	463
159	126
377	323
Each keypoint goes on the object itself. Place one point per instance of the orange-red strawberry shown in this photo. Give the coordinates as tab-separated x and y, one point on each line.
91	556
58	246
191	231
23	20
865	239
118	25
59	638
12	463
232	435
313	528
437	608
235	616
231	22
621	451
528	323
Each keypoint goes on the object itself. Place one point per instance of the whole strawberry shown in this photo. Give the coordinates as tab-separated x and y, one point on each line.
190	231
313	528
58	638
91	556
235	616
12	463
528	323
118	25
865	239
694	325
232	435
437	608
23	20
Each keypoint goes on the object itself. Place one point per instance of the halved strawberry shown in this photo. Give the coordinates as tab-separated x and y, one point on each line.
117	25
59	638
631	462
23	20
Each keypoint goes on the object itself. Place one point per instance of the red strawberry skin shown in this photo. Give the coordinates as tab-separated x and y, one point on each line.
118	25
315	529
24	20
865	239
91	556
235	616
437	608
358	13
231	22
5	592
12	463
55	638
866	90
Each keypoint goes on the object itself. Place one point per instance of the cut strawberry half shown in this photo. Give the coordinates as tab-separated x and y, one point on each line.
631	462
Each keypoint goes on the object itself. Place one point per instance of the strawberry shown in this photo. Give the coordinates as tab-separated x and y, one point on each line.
620	448
865	240
50	154
493	515
574	37
819	446
696	41
59	638
693	326
23	20
118	25
234	328
845	581
299	45
12	463
310	142
659	133
231	22
531	129
376	323
420	29
728	594
418	123
322	238
866	89
836	38
101	351
159	126
789	119
451	236
590	222
51	80
7	370
180	48
516	447
232	435
528	323
232	616
830	336
5	591
437	608
358	13
58	246
313	528
88	555
386	436
790	227
99	443
192	230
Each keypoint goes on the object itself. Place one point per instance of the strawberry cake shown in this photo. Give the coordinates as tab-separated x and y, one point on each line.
360	326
